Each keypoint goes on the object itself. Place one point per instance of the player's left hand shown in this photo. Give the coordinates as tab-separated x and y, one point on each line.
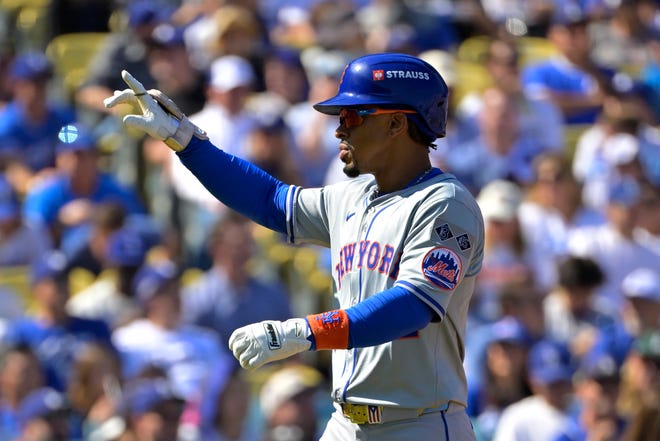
260	343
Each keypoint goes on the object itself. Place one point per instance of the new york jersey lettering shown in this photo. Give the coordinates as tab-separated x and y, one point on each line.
369	255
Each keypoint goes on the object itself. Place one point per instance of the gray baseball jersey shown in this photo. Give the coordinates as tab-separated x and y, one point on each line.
428	239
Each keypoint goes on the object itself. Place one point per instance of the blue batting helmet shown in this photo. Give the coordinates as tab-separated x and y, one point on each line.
395	81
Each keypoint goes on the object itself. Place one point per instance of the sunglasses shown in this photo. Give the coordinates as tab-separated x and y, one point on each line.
350	118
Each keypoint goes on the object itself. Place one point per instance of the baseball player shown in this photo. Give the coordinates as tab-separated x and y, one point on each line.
406	241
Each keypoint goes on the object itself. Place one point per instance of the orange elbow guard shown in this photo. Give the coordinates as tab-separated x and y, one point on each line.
330	329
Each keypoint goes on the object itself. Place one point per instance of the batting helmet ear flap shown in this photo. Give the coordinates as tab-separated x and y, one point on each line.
393	80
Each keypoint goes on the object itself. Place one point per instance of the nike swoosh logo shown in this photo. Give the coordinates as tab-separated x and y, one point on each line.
350	215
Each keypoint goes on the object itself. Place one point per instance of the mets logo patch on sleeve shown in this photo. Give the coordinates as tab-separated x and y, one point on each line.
442	267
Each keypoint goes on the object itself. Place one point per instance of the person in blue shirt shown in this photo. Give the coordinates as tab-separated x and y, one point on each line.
20	373
571	79
597	384
228	296
53	334
44	414
31	120
65	202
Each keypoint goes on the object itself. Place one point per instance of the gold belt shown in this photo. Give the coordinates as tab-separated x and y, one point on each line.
370	414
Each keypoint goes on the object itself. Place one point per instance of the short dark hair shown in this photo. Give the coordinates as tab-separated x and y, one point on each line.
579	272
417	135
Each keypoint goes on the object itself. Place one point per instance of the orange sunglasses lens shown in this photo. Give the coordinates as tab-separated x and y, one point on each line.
350	118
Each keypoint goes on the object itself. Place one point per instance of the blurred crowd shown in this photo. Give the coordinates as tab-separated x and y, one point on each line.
121	277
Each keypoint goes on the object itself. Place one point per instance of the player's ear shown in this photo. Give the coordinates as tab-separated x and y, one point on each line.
398	124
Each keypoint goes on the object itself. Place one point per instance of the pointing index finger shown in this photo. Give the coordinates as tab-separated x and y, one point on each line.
134	84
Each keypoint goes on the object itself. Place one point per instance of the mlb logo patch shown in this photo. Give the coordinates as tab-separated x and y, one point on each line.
442	267
378	75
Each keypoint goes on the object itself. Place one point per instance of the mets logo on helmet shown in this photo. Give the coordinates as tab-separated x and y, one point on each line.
442	267
378	75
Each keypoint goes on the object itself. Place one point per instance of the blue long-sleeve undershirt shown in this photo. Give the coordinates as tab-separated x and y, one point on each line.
238	184
387	316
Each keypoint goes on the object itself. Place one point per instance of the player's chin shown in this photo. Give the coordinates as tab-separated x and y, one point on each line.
351	170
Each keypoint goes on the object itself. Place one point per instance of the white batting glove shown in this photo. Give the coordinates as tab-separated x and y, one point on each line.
161	117
260	343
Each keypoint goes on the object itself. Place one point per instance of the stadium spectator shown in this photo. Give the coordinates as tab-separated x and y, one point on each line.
500	150
571	79
288	403
540	416
154	410
185	353
502	380
525	304
640	372
226	407
236	30
55	336
551	210
596	385
539	119
621	41
644	424
506	256
571	314
20	374
618	156
623	137
21	243
285	82
268	146
641	289
44	414
111	298
65	203
107	218
30	122
125	49
336	27
612	245
95	393
228	295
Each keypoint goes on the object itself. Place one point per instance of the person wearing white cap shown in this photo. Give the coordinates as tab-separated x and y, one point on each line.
641	288
618	156
230	83
287	403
